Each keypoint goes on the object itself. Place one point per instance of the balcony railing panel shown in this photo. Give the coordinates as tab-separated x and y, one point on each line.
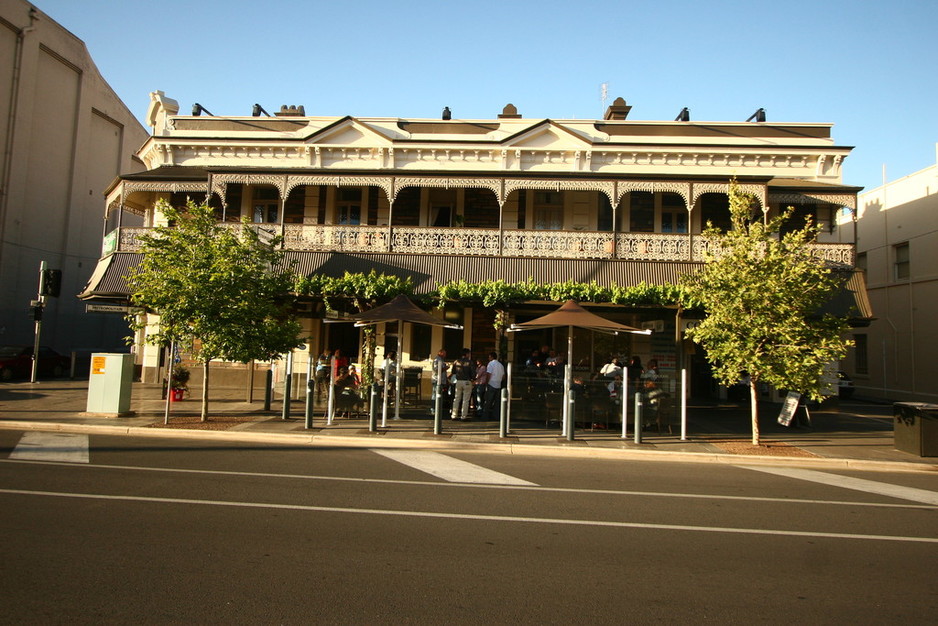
558	244
352	238
652	247
125	239
417	240
565	244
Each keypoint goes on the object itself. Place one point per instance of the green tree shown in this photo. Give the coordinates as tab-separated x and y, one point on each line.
762	293
218	288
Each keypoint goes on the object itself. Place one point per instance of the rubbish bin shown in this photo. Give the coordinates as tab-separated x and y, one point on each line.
916	428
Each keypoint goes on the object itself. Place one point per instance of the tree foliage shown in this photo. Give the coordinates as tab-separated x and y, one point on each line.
763	292
217	288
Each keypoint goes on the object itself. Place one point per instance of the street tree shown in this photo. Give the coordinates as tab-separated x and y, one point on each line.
220	289
762	292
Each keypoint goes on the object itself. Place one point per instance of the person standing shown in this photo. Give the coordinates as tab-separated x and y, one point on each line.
438	377
496	374
480	383
462	373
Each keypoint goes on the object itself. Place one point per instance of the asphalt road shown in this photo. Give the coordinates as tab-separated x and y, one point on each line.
102	529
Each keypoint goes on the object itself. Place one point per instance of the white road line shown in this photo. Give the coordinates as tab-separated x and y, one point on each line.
483	518
857	484
427	483
448	468
62	447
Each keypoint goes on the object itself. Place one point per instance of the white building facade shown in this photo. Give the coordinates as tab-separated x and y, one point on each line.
613	201
65	136
897	248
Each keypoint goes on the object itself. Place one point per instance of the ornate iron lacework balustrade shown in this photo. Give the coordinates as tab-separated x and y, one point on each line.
565	244
129	239
357	238
652	247
473	241
558	244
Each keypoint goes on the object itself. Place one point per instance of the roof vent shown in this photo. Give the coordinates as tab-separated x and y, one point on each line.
510	112
291	111
618	110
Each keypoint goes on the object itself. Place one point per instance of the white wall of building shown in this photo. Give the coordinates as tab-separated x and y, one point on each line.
901	344
65	136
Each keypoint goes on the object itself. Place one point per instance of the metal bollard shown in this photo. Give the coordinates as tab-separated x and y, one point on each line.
268	389
310	391
571	416
287	384
286	396
373	409
503	415
437	406
638	417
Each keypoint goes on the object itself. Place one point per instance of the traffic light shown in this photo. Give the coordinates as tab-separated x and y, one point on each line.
51	283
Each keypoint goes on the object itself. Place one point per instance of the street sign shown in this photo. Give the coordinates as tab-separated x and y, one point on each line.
106	308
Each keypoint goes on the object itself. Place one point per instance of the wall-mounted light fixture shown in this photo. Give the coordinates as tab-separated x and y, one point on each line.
198	109
683	116
758	116
257	110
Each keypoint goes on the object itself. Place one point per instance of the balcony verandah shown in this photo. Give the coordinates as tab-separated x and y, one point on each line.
558	244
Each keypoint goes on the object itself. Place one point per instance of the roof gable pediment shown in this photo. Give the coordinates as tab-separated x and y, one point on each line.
348	132
547	135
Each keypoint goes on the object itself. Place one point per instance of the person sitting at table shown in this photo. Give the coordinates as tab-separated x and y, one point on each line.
346	393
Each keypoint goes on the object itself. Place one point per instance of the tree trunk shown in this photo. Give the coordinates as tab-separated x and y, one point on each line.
205	390
754	401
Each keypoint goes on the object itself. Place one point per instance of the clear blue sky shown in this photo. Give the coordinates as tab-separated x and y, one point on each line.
867	67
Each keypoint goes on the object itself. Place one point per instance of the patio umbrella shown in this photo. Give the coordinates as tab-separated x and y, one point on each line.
401	309
572	315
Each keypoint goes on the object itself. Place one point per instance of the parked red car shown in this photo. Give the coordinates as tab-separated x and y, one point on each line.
17	362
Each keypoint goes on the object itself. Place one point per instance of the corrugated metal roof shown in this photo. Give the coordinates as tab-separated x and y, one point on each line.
428	271
107	282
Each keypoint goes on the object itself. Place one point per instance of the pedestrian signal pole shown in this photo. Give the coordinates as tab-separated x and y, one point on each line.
50	284
38	305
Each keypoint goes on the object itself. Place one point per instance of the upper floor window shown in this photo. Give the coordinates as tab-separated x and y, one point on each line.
266	201
641	212
861	262
673	214
605	214
548	210
860	355
348	206
901	252
442	207
715	209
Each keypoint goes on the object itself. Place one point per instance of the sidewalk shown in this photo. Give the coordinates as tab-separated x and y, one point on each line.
855	436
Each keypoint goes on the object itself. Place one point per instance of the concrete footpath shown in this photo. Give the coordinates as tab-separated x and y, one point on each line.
855	435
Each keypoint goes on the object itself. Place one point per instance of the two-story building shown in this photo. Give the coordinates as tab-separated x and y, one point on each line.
609	200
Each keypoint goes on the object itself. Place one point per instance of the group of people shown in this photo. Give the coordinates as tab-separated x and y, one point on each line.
468	387
544	363
644	380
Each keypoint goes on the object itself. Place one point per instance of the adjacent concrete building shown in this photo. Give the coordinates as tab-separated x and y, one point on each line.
897	247
65	135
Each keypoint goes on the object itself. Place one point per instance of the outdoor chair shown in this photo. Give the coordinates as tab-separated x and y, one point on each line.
410	386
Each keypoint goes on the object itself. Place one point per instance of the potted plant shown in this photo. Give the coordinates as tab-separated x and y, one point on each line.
178	382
